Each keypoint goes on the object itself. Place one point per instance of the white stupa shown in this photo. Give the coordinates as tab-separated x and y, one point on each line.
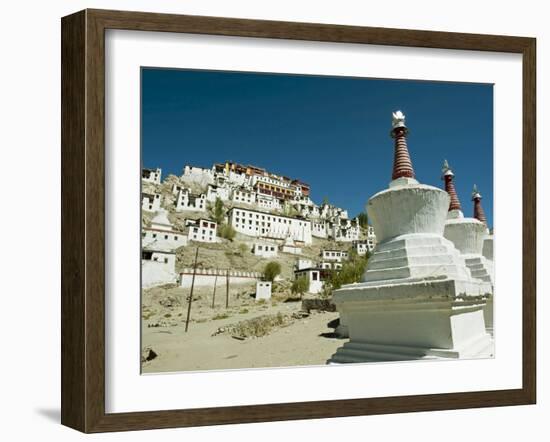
417	299
161	222
468	236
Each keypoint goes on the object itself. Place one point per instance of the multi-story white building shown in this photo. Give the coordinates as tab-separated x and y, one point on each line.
334	255
364	246
265	250
150	202
151	175
332	265
190	202
243	197
268	202
345	230
260	224
202	230
319	229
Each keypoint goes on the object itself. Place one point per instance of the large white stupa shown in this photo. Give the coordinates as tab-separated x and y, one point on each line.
418	299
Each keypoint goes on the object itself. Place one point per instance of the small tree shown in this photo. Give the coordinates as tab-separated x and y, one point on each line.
271	270
363	220
299	286
218	212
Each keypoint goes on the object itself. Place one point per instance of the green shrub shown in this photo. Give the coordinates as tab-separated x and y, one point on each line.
217	211
271	270
299	286
351	271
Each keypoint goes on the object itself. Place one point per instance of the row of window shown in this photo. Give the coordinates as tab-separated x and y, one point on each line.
268	218
155	235
267	248
203	231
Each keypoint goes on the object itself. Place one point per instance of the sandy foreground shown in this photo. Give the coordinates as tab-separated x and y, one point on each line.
304	341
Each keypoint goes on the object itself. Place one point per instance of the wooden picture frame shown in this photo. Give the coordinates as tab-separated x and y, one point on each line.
83	220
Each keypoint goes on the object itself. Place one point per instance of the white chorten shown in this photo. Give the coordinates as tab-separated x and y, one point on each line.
161	222
467	234
417	299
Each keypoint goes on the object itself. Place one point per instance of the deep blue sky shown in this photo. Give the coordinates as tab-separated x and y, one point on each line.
331	132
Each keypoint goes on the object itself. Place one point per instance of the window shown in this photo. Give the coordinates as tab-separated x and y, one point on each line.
165	260
154	235
175	238
165	236
144	234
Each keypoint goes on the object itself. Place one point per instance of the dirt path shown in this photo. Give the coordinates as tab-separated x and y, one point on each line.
307	341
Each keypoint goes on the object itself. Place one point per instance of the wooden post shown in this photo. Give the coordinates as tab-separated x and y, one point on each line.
214	294
227	289
191	294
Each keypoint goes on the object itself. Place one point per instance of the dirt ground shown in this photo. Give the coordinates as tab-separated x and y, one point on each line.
211	342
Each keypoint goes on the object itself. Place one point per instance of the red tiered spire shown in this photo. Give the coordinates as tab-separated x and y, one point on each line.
448	177
479	214
402	165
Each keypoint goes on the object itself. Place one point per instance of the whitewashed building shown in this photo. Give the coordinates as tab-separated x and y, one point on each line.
266	225
345	230
150	202
263	290
364	246
158	266
202	230
162	234
334	255
330	265
302	263
319	229
243	197
265	250
268	202
186	201
313	276
151	175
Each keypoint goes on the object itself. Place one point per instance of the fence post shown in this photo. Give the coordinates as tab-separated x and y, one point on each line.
191	294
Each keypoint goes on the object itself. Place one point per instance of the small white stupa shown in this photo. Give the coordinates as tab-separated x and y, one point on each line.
417	299
487	254
467	234
161	222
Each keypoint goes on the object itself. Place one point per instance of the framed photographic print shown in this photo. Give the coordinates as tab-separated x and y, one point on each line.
267	221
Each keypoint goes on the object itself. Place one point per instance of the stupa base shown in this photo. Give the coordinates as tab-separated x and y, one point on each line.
436	318
357	352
